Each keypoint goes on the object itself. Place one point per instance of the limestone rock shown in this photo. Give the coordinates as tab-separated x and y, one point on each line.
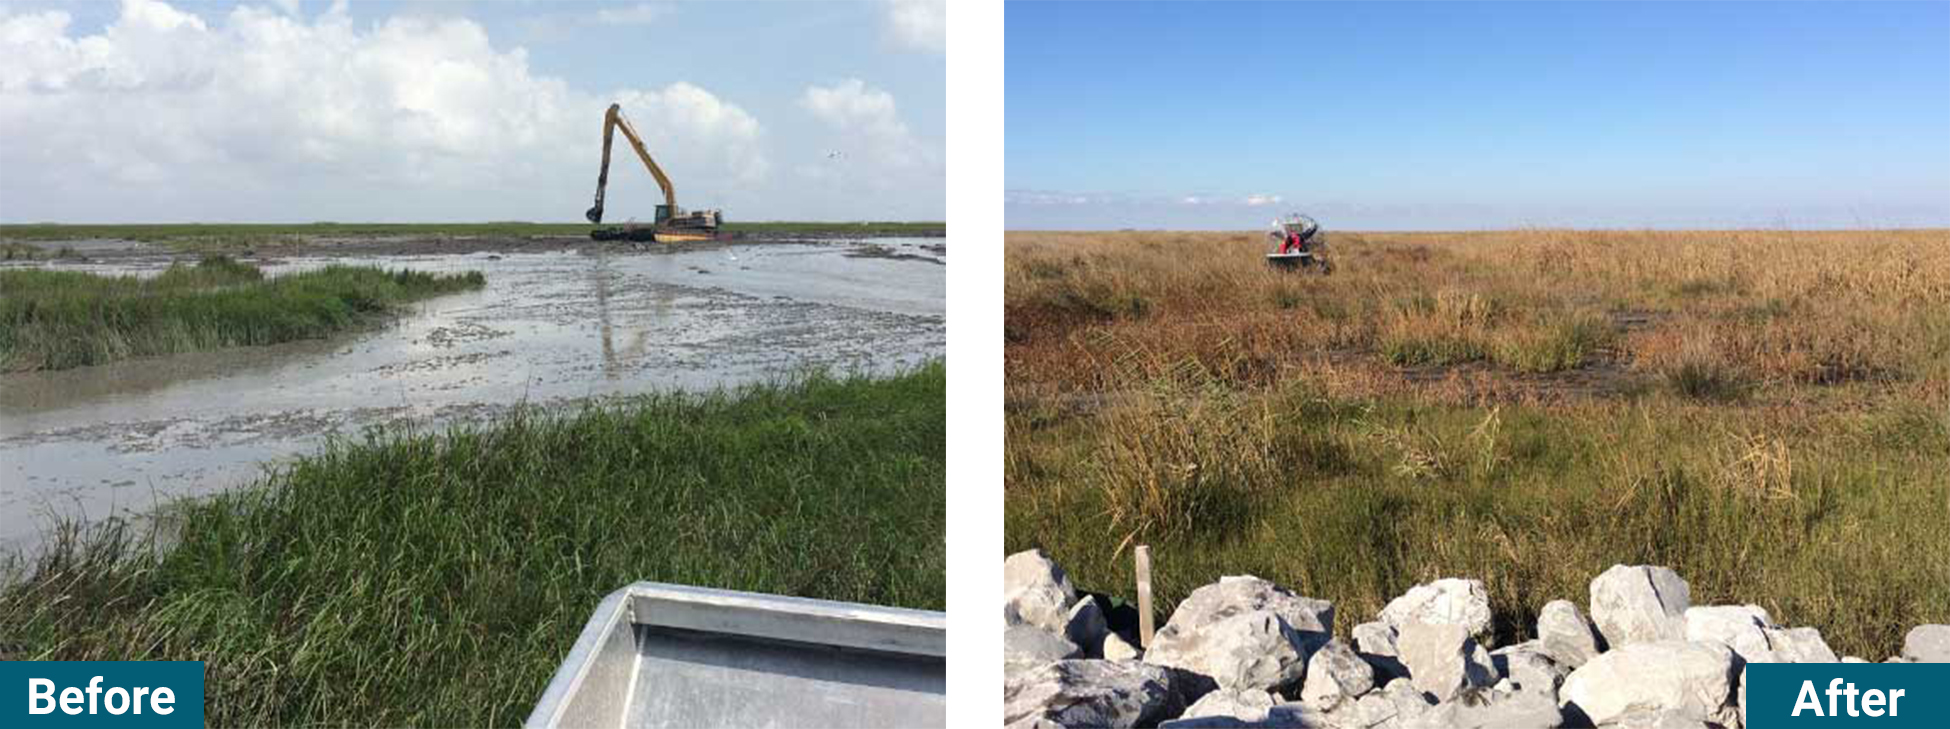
1335	674
1740	627
1084	625
1118	649
1491	709
1566	634
1242	703
1375	642
1740	698
1251	650
1091	693
1377	638
1027	646
1222	632
1530	669
1668	719
1279	716
1444	601
1245	593
1443	660
1799	645
1927	644
1036	590
1639	604
1694	678
1391	707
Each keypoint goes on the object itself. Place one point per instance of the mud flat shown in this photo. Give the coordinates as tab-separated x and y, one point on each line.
552	326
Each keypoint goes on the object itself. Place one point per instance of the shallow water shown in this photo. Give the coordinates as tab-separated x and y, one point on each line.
117	439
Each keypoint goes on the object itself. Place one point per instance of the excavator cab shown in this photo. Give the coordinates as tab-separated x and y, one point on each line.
672	222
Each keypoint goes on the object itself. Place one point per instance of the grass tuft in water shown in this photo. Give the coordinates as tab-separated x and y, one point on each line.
62	319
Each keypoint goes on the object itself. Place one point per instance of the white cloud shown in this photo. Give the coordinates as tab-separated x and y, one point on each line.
851	104
868	119
918	24
263	109
1260	200
868	153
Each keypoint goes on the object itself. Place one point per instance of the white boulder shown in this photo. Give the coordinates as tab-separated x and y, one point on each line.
1245	703
1443	660
1118	649
1798	645
1027	646
1089	693
1566	634
1376	643
1530	669
1927	644
1491	709
1696	679
1243	632
1639	604
1254	650
1036	591
1393	706
1668	719
1335	674
1740	627
1278	716
1445	601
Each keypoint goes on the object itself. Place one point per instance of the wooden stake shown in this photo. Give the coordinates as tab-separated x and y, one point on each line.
1145	625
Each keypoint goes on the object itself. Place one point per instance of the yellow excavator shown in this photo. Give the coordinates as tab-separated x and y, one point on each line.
673	223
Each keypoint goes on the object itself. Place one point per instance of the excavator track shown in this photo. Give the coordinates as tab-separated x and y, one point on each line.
673	223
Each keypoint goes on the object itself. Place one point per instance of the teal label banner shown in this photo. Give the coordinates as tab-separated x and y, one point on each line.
1782	695
102	693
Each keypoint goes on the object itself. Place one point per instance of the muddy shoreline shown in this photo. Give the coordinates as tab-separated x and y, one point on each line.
561	323
296	245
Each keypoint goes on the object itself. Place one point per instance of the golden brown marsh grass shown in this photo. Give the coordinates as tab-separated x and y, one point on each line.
1760	308
1766	411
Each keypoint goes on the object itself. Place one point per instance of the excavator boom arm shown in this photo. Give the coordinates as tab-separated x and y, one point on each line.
612	121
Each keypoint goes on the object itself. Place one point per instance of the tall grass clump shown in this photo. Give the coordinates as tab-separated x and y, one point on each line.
1557	343
62	319
1179	460
439	579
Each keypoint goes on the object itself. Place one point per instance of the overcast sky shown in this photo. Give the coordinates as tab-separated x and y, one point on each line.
1409	115
305	110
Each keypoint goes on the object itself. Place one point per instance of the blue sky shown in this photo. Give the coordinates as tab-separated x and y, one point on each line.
430	110
1398	115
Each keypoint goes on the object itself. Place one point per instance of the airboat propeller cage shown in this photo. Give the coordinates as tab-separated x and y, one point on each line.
1295	223
660	655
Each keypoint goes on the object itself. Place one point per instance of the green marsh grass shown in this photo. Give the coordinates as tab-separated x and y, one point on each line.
438	579
62	319
1357	499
